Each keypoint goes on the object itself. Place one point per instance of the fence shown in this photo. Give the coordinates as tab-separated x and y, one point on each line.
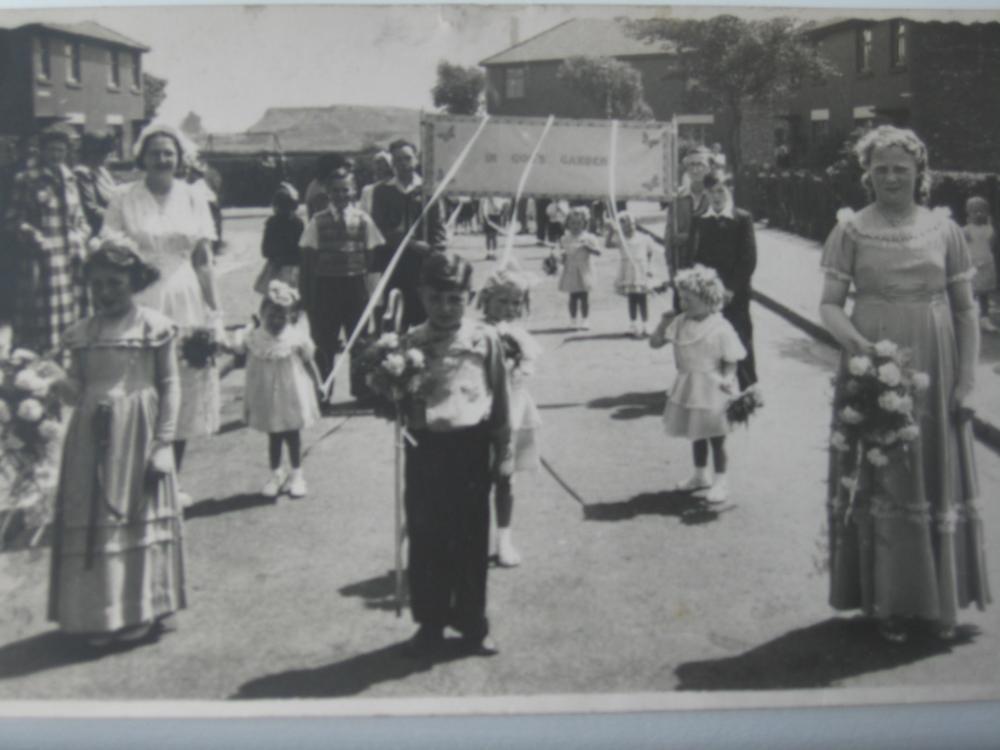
806	203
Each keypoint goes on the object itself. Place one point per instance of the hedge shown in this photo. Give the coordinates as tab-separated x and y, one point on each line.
806	203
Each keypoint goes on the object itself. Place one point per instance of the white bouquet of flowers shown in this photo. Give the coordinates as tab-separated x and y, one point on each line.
393	372
874	419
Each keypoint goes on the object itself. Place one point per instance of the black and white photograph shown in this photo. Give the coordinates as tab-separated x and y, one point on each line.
487	359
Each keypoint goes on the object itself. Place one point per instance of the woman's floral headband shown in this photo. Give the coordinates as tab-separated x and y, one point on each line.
281	294
704	283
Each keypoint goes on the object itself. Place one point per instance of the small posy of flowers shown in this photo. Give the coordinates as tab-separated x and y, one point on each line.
30	428
743	406
393	372
199	348
874	410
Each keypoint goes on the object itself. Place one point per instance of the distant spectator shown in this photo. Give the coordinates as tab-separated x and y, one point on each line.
93	179
280	244
382	164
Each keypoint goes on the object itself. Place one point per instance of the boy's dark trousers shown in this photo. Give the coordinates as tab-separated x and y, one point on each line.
448	522
335	303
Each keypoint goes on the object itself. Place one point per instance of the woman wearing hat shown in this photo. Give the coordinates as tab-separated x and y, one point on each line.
117	567
46	219
93	178
172	226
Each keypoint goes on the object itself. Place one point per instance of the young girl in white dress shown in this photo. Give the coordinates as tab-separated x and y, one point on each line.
982	241
706	350
578	246
281	385
504	299
635	274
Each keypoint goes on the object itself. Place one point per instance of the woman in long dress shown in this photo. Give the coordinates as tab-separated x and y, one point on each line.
117	568
172	225
911	549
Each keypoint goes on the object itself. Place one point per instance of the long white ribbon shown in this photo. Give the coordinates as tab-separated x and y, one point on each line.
509	239
394	261
613	203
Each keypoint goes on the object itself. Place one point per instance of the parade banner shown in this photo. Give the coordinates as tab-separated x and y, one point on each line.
573	160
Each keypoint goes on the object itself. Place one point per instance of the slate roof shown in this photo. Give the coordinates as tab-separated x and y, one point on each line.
90	30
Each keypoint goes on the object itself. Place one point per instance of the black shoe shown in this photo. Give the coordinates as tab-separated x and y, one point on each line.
424	642
484	646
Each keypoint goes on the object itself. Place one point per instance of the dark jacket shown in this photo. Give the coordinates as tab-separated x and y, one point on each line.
728	246
281	240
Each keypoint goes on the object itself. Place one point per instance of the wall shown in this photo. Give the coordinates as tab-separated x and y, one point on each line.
15	82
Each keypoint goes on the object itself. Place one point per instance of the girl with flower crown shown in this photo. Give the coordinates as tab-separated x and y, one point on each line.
911	548
503	300
117	568
707	350
281	385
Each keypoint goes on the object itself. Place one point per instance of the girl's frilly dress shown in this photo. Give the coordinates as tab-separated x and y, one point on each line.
525	419
913	544
117	556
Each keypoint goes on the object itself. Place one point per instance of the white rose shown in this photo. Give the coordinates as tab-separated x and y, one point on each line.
859	365
27	380
849	482
877	458
388	341
851	416
905	404
4	412
49	429
889	374
908	433
416	358
30	410
22	356
921	381
890	401
394	364
838	441
886	348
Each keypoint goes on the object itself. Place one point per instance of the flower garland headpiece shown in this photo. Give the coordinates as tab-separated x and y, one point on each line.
704	283
282	295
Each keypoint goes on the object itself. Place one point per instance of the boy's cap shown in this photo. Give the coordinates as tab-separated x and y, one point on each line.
446	271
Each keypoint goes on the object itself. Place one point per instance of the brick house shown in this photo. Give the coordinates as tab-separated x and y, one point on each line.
81	73
941	79
522	79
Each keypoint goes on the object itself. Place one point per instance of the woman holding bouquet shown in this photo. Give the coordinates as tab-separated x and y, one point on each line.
173	228
906	545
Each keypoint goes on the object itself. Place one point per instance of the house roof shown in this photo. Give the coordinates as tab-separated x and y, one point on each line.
342	128
578	36
90	30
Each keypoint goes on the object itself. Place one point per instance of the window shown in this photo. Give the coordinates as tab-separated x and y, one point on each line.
515	80
819	126
114	69
118	131
73	62
864	50
44	58
898	48
136	70
694	128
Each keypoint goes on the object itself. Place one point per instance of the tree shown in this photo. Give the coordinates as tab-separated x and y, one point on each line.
613	87
154	91
729	62
458	90
191	125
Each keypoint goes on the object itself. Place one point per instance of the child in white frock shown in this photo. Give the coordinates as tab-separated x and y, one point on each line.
280	397
706	350
503	299
982	241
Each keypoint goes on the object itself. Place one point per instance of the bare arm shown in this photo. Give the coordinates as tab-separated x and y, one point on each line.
204	268
831	312
658	339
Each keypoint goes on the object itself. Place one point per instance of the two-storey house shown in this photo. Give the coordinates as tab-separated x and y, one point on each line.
81	73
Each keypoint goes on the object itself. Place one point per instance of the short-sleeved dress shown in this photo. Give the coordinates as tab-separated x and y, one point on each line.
167	231
577	275
913	545
117	546
280	395
636	259
525	419
696	403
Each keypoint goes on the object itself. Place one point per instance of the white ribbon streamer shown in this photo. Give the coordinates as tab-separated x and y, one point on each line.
613	207
509	239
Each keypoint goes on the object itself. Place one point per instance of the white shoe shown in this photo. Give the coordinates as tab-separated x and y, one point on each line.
572	324
584	326
633	329
642	330
507	554
697	481
986	324
272	488
184	499
296	486
719	492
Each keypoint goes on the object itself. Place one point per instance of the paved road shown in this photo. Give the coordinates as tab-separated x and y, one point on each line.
625	587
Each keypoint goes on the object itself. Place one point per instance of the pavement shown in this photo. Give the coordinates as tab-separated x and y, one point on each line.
627	587
788	281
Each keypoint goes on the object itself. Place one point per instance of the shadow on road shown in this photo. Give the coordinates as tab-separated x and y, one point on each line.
349	677
807	351
691	510
52	650
546	331
596	337
632	405
213	507
377	593
817	656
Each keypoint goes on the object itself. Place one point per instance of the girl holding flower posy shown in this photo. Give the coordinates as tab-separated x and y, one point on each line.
117	568
578	246
906	539
706	350
281	384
